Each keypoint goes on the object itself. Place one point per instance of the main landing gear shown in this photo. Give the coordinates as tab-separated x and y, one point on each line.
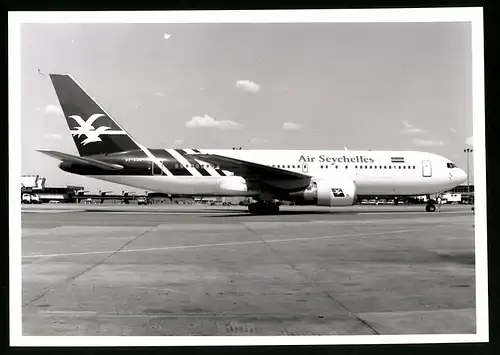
430	207
263	208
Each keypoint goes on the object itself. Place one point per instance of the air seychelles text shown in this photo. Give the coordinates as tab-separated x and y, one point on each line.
343	159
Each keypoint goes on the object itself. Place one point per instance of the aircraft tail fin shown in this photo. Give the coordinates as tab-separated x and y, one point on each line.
94	131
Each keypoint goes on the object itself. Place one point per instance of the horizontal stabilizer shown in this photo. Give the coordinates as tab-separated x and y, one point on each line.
80	160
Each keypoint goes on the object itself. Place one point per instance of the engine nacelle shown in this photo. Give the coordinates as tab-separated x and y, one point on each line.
335	191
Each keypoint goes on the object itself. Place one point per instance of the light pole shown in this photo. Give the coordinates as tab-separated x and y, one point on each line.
467	152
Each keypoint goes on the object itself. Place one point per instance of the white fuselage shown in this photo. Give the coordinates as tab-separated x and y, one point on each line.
375	173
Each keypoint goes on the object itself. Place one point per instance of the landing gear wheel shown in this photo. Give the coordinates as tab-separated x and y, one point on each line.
430	207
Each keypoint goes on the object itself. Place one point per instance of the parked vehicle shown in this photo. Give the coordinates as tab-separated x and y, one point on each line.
31	198
142	201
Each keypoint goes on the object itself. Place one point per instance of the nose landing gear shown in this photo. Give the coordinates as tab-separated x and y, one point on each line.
430	207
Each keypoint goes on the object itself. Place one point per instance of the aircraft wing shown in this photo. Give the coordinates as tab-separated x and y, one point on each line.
80	160
258	173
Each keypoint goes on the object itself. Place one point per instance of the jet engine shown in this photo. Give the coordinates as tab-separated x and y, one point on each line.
327	192
233	183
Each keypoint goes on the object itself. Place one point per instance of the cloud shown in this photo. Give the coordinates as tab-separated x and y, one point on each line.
56	136
428	143
290	126
167	35
247	85
410	129
206	121
160	94
178	141
452	130
469	141
52	109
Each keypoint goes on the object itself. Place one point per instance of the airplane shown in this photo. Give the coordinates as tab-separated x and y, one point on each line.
305	177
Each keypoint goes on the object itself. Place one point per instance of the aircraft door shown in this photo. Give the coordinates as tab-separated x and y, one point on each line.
304	167
426	168
155	169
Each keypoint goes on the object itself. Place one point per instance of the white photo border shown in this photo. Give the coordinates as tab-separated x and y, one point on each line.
474	15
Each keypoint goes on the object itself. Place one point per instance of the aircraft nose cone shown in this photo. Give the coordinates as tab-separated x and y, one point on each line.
460	176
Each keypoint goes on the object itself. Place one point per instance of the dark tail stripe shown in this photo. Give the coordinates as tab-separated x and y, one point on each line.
180	170
193	162
221	173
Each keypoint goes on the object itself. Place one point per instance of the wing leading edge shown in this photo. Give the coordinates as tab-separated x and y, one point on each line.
258	173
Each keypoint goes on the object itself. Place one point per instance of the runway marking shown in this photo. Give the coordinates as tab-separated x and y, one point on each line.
184	247
237	315
161	213
167	315
417	212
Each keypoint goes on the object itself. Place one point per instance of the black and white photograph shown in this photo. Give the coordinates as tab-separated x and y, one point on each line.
247	177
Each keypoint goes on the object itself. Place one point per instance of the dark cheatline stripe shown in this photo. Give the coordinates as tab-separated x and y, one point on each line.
196	150
169	162
193	162
220	172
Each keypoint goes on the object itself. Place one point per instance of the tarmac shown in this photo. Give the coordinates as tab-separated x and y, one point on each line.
213	270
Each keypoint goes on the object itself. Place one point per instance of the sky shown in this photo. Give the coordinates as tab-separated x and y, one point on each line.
394	86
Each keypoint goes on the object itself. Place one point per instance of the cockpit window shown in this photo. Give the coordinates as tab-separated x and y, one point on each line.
451	165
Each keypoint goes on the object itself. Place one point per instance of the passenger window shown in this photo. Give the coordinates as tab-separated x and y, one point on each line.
413	166
336	166
400	167
355	167
390	167
346	167
375	167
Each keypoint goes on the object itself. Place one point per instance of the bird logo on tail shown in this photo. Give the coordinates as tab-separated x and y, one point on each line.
87	129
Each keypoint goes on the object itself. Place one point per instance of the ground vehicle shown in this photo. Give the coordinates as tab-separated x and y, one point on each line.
142	201
452	198
31	198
